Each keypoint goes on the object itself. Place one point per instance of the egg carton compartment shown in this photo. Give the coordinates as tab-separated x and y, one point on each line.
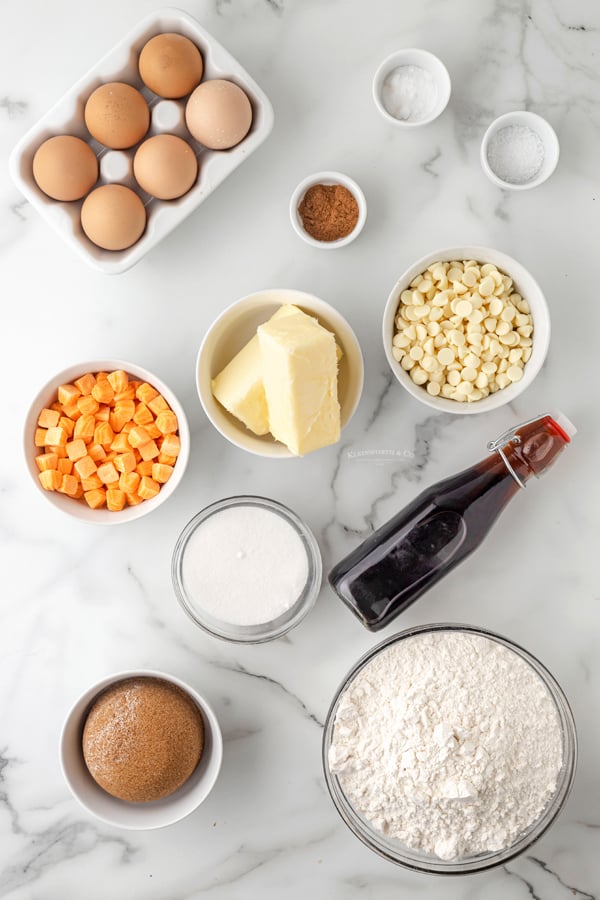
116	166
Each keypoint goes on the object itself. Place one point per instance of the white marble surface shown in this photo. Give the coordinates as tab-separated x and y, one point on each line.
79	602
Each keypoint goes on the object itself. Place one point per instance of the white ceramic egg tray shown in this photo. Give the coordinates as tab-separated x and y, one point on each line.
66	117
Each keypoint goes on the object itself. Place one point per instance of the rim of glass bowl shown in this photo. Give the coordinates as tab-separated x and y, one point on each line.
393	850
251	634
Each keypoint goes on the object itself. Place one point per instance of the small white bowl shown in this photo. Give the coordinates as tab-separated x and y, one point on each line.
527	287
424	60
545	132
327	178
79	508
236	326
138	816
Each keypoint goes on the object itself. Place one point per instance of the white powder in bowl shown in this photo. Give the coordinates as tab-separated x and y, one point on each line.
515	154
244	566
449	742
409	93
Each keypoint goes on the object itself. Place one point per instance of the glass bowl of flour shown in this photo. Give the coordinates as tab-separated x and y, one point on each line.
246	569
449	749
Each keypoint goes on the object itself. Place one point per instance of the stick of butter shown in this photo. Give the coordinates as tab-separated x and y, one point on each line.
299	370
239	386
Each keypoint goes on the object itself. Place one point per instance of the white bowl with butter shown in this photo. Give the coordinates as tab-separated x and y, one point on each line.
232	331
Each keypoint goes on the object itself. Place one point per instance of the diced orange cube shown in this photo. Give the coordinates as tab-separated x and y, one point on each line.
59	449
161	473
166	460
72	411
85	427
149	450
153	431
85	467
85	383
129	482
148	488
120	443
118	380
128	426
88	404
68	485
134	499
107	473
103	414
126	395
125	408
171	445
64	466
145	392
67	424
101	376
76	449
144	467
92	483
103	434
48	418
79	492
50	479
97	452
139	436
56	437
166	422
47	461
103	391
95	499
39	437
158	404
115	499
68	394
57	406
125	462
142	415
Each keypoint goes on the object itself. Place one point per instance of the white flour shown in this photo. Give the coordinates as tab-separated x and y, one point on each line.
448	742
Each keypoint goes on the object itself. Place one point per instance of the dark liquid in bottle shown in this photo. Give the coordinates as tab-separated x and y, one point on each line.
442	526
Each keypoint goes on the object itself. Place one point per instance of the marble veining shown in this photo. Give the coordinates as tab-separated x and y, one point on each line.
80	602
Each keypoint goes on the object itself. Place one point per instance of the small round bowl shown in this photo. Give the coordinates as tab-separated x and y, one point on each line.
527	287
236	326
547	136
327	178
424	60
79	508
138	816
267	631
394	850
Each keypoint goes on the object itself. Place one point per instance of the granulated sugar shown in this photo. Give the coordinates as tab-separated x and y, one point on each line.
245	566
449	742
515	154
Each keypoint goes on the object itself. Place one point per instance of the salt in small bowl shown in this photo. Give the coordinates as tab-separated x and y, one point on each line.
545	132
423	59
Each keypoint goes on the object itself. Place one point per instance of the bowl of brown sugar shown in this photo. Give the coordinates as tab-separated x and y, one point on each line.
328	210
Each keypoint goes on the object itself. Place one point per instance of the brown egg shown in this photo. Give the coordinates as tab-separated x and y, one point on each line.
113	217
171	65
165	166
218	114
117	115
65	167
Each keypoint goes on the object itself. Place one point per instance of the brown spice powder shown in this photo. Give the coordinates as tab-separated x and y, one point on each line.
329	212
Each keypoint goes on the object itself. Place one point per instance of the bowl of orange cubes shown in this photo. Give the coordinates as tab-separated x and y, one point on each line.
106	441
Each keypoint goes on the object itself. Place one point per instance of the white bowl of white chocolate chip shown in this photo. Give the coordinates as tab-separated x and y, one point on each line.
466	329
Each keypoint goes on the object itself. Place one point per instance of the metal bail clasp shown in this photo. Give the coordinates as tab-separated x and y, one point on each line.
509	437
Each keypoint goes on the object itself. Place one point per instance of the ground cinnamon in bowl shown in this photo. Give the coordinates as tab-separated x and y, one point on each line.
329	212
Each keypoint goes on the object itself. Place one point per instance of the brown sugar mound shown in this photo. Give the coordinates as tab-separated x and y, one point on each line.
142	739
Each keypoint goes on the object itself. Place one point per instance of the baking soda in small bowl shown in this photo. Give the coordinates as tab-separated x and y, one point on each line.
246	569
515	154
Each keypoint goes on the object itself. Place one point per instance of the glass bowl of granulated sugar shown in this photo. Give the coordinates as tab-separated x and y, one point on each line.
449	749
246	569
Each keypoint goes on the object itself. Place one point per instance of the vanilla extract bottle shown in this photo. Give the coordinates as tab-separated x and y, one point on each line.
409	554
